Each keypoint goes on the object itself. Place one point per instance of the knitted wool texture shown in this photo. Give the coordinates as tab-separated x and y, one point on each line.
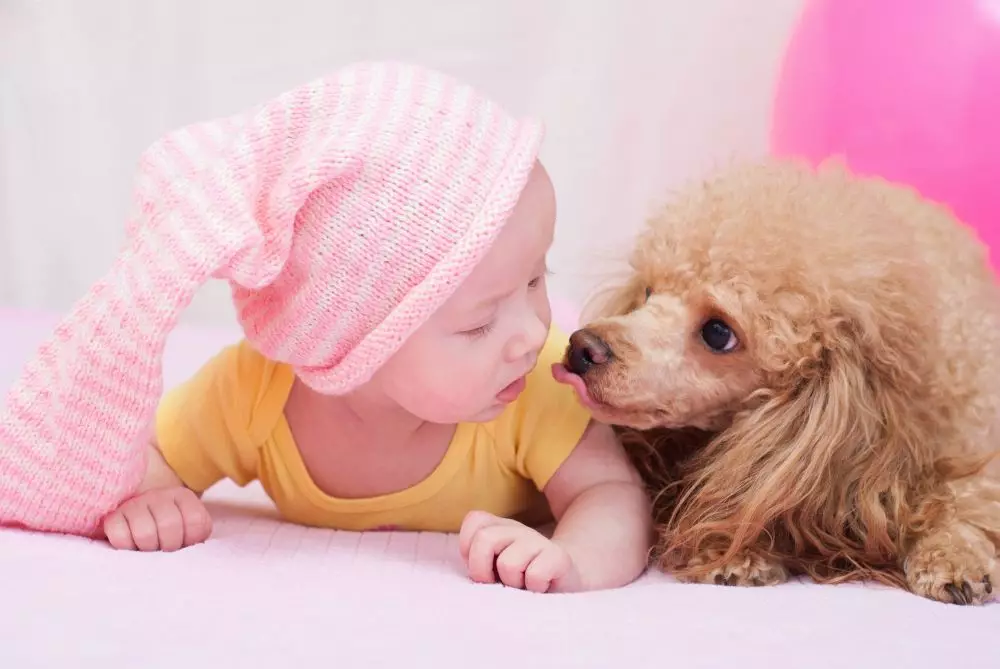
342	213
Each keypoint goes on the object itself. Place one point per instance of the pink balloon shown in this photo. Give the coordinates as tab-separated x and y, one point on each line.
905	89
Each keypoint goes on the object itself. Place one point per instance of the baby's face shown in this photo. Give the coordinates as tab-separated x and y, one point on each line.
468	361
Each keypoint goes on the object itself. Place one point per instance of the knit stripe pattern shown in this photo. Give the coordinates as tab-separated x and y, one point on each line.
342	214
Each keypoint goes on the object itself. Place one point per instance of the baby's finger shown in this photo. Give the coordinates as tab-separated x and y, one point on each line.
487	543
513	560
169	523
141	525
547	566
197	521
118	533
473	522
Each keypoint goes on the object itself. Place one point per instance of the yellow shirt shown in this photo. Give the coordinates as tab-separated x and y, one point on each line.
228	421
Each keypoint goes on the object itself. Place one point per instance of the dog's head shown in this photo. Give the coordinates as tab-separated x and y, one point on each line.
785	310
768	282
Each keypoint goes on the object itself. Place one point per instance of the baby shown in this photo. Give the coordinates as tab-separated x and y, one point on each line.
385	233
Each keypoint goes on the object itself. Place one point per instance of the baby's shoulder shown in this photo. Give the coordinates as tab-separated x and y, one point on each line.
243	382
240	367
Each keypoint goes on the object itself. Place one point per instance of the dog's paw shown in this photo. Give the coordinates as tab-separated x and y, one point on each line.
746	569
955	566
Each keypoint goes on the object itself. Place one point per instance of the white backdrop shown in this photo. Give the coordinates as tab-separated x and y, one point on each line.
638	96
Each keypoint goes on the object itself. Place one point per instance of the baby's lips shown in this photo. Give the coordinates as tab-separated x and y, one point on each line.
562	375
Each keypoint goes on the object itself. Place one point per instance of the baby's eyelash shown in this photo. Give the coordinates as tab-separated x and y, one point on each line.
481	331
534	282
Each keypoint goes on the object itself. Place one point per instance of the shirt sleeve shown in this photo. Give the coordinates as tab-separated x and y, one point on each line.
547	421
211	426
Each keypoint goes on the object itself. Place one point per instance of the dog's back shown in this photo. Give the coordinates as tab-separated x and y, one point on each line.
965	312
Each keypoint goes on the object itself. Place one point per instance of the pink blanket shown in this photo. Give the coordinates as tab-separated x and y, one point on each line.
262	593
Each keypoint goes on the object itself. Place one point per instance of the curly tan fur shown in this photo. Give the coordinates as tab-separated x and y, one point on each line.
849	432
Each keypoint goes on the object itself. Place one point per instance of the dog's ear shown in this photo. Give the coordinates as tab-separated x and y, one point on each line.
823	465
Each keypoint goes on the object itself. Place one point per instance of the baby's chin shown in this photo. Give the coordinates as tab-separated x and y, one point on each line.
483	414
488	414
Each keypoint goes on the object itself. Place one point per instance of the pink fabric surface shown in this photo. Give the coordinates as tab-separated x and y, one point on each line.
263	593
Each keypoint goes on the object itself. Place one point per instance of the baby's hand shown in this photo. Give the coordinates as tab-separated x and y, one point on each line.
499	548
164	519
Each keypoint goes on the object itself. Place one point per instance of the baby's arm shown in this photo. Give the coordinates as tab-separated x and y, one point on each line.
602	536
603	513
163	515
201	437
158	473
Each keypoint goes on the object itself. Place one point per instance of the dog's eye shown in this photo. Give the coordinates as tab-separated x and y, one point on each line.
649	293
718	336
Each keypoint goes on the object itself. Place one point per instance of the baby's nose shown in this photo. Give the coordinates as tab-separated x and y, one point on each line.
586	350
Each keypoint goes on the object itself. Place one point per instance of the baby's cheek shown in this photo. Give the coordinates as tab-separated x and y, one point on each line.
448	394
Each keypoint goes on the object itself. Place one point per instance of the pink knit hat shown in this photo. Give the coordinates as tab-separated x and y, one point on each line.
343	213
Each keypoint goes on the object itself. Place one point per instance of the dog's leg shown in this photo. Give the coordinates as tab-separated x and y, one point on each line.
955	560
748	567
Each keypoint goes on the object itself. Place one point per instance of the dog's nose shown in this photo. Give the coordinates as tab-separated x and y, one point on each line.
586	350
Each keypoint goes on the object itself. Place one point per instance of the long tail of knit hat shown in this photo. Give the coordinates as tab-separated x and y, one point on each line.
342	213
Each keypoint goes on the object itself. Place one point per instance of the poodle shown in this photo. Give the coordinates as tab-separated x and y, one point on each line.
805	364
